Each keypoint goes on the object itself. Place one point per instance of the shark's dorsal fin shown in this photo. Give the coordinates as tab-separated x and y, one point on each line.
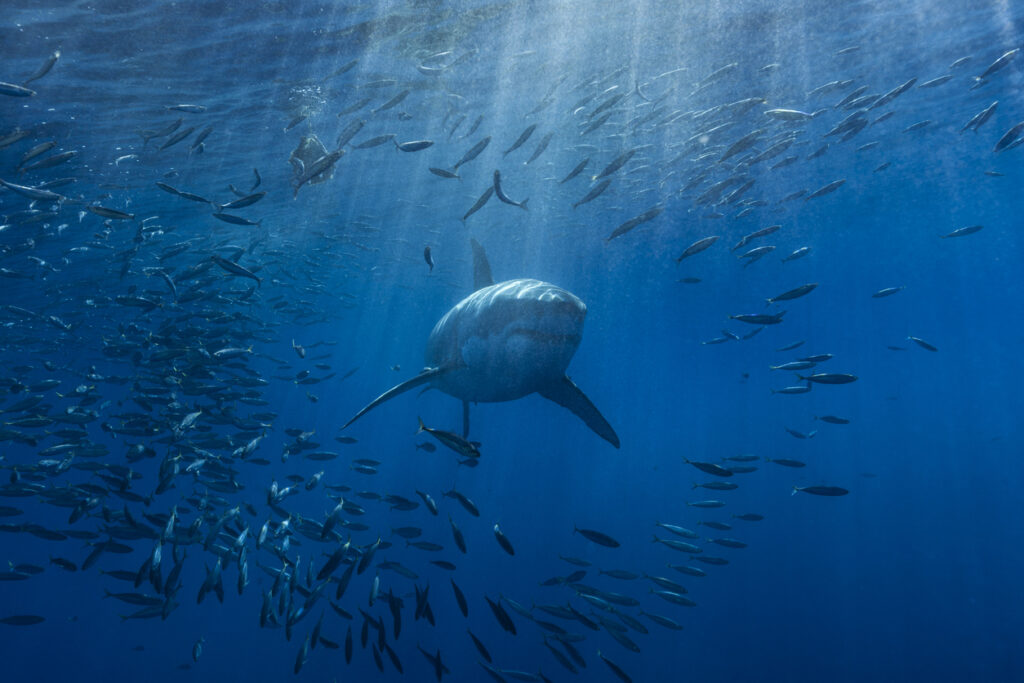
568	395
481	267
425	376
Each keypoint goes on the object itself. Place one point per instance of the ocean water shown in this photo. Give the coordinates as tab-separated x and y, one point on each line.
912	575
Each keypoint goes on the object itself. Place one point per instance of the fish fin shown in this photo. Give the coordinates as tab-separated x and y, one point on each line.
481	267
566	394
425	376
465	419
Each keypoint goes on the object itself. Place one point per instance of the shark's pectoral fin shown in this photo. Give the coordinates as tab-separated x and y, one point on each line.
568	395
425	376
465	419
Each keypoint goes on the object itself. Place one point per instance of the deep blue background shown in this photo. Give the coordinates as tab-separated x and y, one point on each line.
913	576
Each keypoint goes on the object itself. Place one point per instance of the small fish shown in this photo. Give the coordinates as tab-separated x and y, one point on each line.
473	152
709	468
829	378
22	620
615	165
393	102
320	166
543	145
794	366
893	94
980	118
479	204
787	462
827	189
1009	138
707	504
349	132
935	82
759	318
697	247
453	441
503	541
754	235
427	258
596	537
887	291
176	138
33	193
645	217
616	669
798	253
594	192
523	137
239	203
796	293
188	108
502	196
414	146
12	90
235	269
49	162
44	68
788	115
797	389
576	171
997	65
442	173
922	343
960	232
821	490
14	136
113	214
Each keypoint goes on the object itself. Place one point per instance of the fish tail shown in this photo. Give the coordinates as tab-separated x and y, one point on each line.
522	204
423	427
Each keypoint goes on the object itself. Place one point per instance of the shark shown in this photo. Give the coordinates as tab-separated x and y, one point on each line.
503	342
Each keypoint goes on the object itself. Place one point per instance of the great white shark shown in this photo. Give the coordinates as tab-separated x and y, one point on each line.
503	342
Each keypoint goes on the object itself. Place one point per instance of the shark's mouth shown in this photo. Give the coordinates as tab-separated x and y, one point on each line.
551	338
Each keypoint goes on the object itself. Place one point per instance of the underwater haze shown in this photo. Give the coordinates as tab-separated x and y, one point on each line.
726	387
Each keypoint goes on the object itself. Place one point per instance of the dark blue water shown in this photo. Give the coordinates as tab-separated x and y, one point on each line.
911	576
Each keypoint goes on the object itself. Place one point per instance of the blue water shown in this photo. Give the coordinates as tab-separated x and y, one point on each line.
911	576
